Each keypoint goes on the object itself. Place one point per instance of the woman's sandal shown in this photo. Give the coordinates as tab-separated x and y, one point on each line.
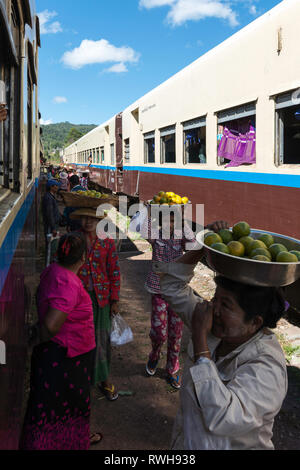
174	381
151	367
95	438
109	393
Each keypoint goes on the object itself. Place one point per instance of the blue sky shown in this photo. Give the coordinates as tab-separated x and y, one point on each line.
99	56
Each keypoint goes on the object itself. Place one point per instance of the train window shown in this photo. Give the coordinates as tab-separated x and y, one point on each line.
127	149
29	125
112	154
102	154
236	138
98	155
149	147
168	145
288	128
194	141
10	80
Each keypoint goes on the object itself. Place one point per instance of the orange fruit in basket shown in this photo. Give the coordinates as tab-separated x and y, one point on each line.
164	200
275	249
267	239
156	199
286	257
236	248
161	193
212	238
241	229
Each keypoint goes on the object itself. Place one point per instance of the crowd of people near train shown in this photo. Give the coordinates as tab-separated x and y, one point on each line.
234	379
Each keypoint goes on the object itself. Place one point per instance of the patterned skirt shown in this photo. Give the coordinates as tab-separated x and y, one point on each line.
102	358
58	410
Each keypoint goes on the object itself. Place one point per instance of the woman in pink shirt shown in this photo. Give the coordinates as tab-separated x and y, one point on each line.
58	411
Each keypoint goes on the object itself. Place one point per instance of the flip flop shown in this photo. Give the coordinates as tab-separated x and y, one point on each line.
98	439
151	367
174	382
109	393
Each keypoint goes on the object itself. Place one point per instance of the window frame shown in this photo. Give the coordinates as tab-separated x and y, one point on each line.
283	101
193	124
166	132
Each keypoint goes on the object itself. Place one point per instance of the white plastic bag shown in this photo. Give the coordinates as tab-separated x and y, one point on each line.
121	332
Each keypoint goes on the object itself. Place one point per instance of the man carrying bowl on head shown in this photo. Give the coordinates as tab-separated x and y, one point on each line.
235	377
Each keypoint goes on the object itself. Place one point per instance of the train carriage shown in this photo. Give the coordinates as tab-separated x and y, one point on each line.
224	131
19	200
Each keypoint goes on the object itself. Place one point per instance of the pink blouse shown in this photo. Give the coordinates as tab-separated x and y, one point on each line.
62	290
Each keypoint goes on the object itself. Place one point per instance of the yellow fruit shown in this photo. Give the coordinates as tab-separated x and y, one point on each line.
178	200
156	199
262	252
236	248
267	239
286	257
212	238
241	229
275	249
184	200
161	194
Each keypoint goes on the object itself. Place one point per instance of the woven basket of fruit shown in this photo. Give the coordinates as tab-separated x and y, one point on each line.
88	199
252	256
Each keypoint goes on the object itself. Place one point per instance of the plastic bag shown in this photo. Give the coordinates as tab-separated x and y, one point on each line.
121	332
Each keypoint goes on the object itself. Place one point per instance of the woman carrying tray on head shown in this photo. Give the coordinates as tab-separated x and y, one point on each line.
235	377
101	278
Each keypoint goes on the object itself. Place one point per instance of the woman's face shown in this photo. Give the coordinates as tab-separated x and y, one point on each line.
89	224
229	318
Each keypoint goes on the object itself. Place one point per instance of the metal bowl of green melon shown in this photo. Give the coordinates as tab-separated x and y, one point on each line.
253	272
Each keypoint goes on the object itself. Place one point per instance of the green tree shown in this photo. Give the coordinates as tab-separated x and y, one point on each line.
73	135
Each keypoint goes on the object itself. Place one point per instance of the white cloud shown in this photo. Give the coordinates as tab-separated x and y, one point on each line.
60	99
46	26
117	68
253	10
182	11
155	3
46	122
98	52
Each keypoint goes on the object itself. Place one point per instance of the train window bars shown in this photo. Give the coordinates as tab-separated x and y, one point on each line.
10	77
287	128
149	147
168	145
194	141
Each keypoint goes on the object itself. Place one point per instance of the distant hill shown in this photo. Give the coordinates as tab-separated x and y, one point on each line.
55	136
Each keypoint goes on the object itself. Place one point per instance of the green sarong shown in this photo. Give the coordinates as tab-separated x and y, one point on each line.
102	322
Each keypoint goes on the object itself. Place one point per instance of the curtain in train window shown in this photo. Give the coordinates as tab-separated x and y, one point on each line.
127	150
112	154
236	137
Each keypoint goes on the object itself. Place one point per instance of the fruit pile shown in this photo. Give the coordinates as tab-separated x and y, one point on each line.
168	199
239	242
92	193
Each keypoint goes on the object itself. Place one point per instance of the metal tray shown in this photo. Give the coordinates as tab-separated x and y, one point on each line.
248	271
